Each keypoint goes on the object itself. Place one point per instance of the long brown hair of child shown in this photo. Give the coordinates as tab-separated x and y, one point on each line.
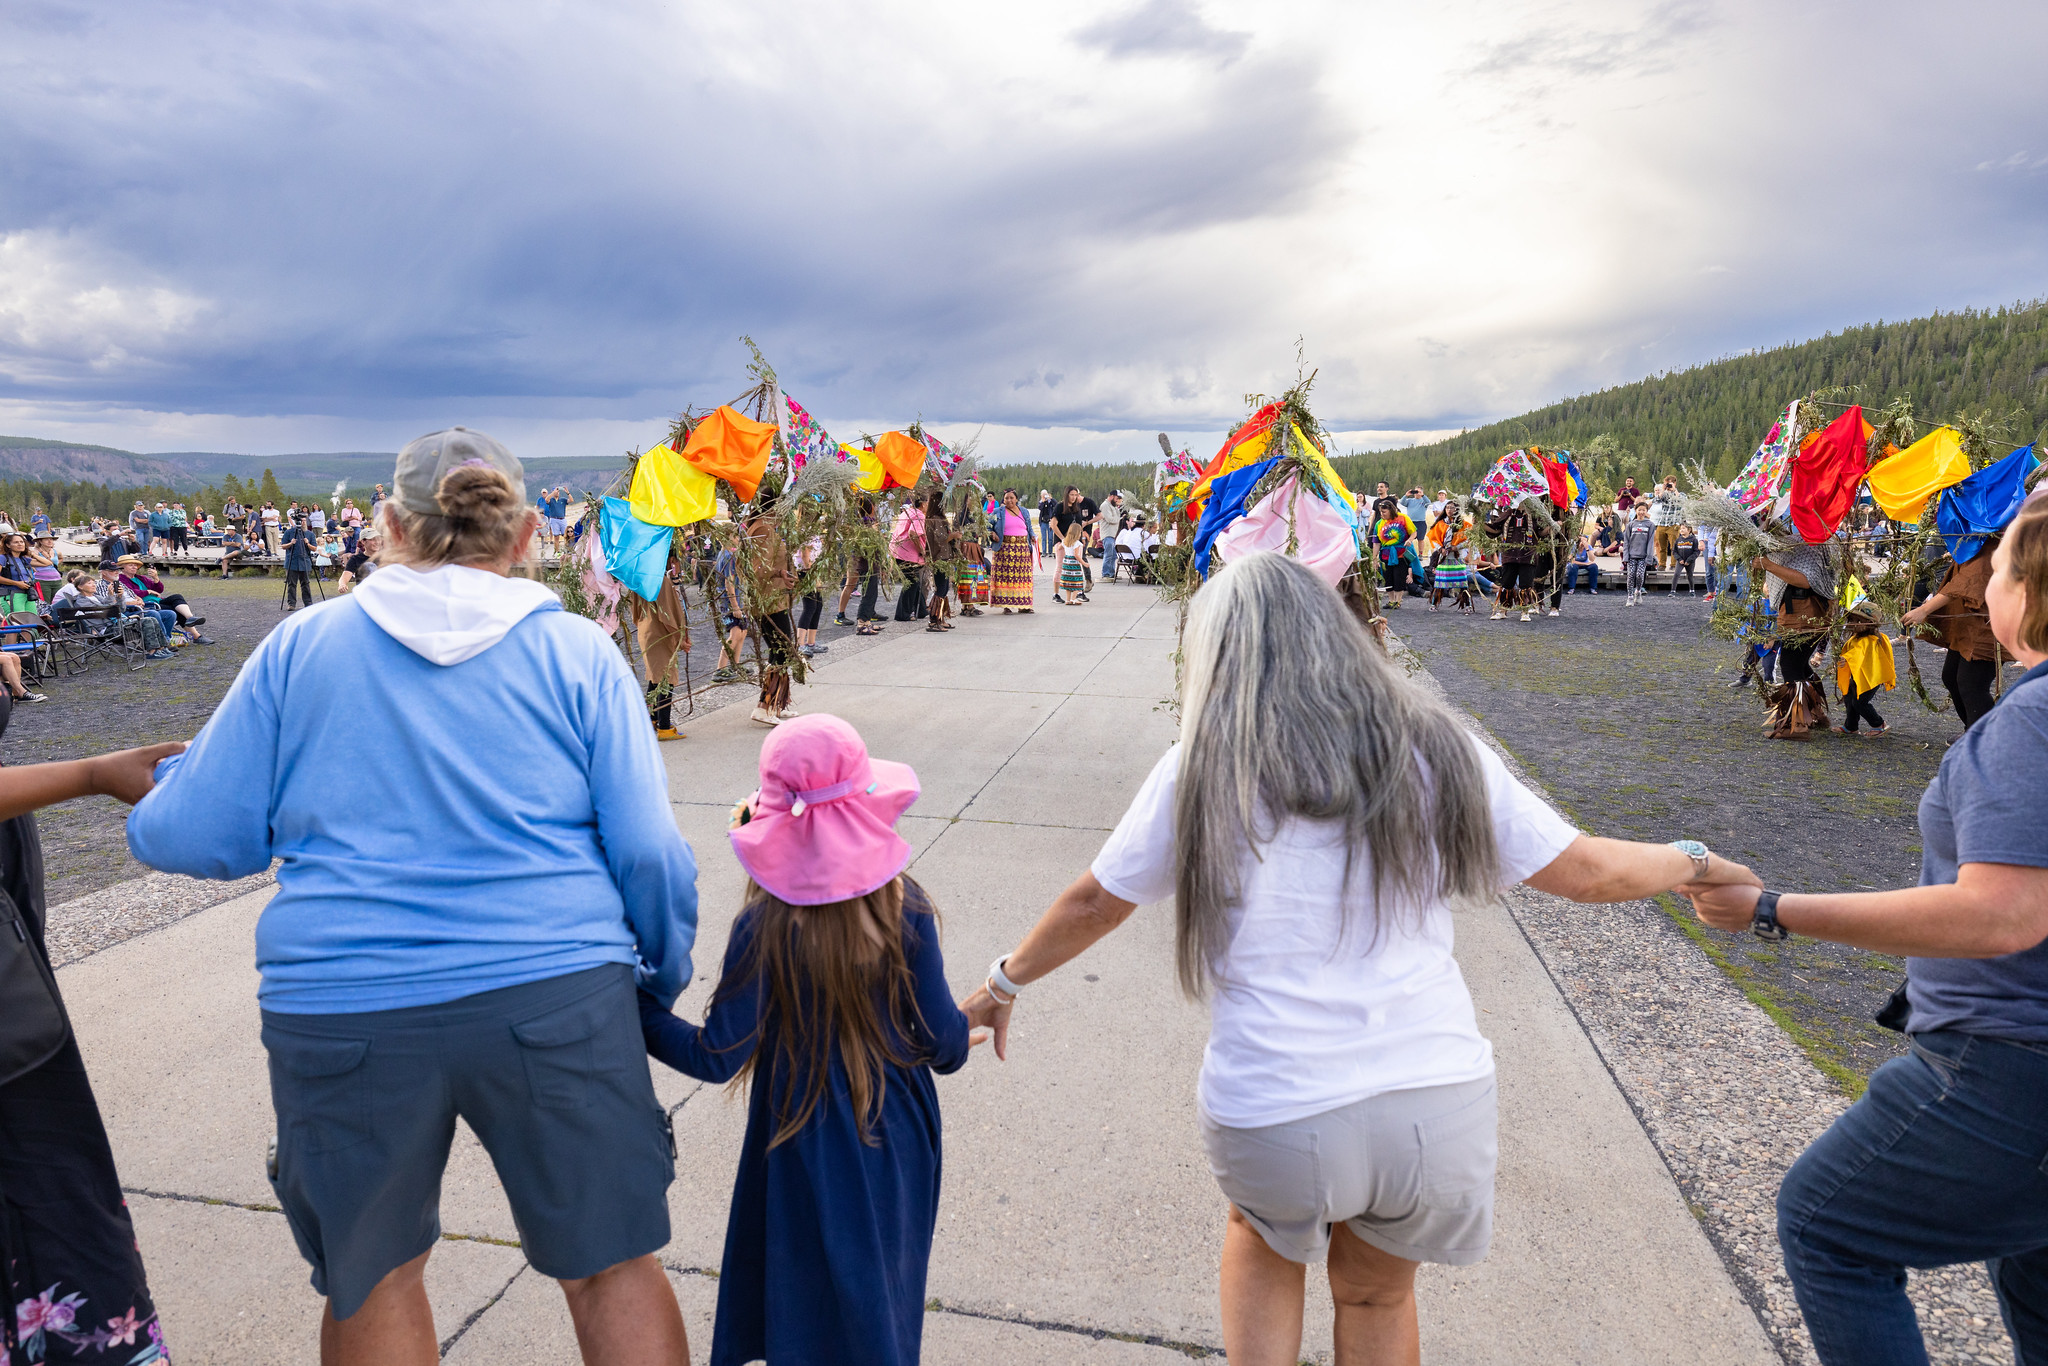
823	975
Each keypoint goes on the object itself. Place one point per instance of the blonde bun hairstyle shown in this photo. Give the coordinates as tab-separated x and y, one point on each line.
482	518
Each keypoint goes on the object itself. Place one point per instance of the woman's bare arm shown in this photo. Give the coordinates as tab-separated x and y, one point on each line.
1596	869
1990	910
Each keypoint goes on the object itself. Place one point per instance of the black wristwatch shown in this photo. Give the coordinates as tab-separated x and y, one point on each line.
1764	925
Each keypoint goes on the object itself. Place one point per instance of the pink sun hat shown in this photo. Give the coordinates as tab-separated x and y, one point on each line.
824	822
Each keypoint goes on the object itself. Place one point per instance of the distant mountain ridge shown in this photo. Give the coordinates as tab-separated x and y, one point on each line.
43	460
27	457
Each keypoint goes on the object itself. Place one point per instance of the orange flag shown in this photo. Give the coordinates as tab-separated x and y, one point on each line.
902	455
732	447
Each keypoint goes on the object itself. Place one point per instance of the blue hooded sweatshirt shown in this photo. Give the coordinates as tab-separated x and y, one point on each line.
504	819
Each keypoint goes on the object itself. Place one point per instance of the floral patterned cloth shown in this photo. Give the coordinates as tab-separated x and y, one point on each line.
805	439
943	458
1764	475
1515	476
1180	469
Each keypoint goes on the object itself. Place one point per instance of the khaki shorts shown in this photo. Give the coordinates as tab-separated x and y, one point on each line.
1410	1172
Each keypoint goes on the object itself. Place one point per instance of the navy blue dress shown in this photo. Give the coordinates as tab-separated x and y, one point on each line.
828	1240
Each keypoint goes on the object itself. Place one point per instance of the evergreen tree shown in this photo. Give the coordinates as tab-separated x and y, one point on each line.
269	492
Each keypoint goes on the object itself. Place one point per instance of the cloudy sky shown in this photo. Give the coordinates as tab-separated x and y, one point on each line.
322	225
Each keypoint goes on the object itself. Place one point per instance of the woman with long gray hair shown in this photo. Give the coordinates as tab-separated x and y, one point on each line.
1315	826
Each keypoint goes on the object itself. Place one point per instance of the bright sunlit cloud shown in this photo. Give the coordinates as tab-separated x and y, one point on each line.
340	224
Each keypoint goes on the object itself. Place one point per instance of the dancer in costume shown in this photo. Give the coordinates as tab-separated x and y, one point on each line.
1962	626
1804	597
772	569
1864	668
968	536
941	551
1515	528
1453	577
1016	556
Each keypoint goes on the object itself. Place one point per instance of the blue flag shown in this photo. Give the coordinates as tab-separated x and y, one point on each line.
1972	512
635	552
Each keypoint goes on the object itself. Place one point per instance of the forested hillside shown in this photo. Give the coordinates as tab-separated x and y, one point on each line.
1992	362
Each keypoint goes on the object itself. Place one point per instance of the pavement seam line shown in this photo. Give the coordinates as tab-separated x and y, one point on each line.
1012	757
448	1343
261	1207
1195	1350
677	1108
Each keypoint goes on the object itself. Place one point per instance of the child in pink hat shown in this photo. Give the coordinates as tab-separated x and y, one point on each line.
833	1005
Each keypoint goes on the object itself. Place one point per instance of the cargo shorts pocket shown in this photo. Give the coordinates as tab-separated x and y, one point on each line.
321	1089
559	1051
1459	1152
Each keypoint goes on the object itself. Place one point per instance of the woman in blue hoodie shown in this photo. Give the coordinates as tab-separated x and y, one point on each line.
465	939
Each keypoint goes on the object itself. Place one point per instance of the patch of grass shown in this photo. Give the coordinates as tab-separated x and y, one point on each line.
1819	1050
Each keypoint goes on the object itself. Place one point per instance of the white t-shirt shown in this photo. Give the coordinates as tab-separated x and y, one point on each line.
1302	1019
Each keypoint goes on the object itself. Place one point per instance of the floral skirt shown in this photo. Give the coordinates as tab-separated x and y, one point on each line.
69	1267
1013	572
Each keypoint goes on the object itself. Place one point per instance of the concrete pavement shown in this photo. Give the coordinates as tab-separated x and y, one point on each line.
1079	1221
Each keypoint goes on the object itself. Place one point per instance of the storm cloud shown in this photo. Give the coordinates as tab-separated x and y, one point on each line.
275	226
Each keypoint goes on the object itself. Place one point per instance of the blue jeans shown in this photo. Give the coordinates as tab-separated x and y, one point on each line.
1045	536
1939	1163
1572	572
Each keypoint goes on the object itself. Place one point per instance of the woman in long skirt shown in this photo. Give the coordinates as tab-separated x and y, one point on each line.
72	1277
1016	556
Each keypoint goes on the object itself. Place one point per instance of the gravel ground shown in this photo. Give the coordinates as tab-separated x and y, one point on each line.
1708	1071
1625	715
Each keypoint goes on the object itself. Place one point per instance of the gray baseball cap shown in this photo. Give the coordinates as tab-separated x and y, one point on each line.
422	464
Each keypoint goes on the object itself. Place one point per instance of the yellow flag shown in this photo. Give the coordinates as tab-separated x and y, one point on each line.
669	492
871	472
1902	484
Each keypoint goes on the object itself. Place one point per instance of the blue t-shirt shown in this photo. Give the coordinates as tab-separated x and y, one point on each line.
557	506
1983	807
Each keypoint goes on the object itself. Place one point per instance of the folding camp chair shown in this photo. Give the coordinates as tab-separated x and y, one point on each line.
93	632
26	636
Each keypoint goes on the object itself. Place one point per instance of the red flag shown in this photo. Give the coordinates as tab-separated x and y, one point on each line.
1825	475
1559	481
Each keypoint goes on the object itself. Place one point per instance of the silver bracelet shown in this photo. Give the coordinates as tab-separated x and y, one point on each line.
1001	978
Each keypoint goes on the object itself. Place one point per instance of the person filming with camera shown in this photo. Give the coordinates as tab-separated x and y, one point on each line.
1940	1162
298	564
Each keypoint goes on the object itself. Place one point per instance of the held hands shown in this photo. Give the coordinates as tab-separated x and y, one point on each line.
1728	906
1722	873
128	774
987	1017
